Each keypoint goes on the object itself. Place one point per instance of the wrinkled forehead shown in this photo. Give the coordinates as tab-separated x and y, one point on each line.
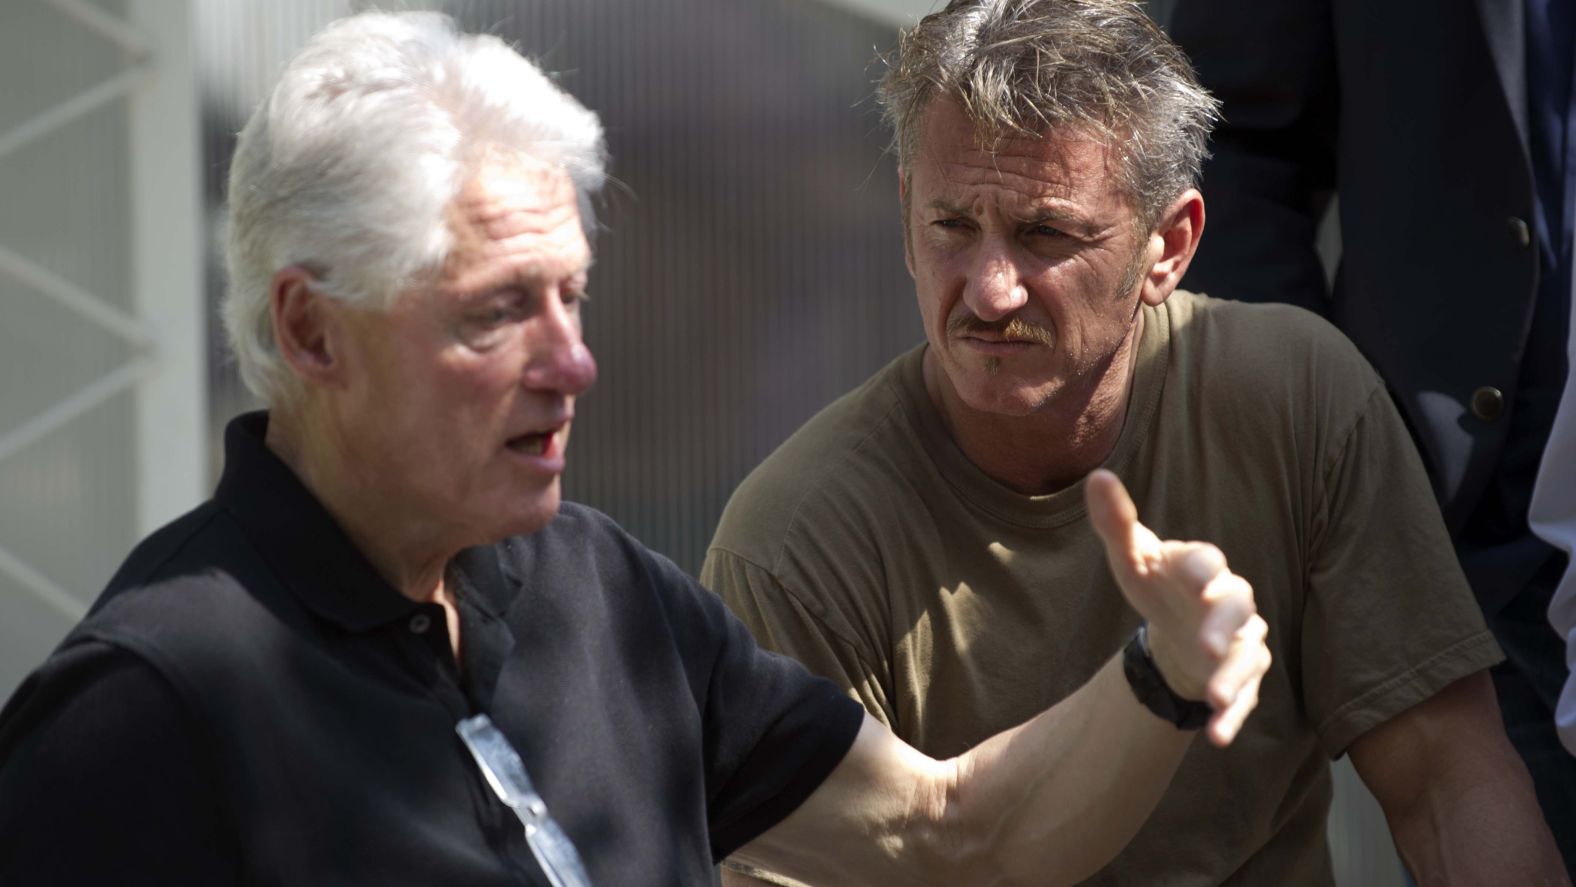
956	150
506	194
517	212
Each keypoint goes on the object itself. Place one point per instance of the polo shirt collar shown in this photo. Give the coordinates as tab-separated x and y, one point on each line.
298	539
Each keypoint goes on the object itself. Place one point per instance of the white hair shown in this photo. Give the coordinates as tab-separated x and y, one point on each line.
348	167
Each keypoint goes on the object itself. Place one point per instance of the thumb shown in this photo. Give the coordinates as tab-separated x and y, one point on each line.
1115	520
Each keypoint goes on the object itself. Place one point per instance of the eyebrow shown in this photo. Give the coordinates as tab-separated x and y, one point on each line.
485	286
1037	214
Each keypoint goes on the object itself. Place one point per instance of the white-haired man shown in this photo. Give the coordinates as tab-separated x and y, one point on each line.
384	654
922	543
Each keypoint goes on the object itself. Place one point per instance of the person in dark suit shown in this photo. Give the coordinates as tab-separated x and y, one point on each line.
1444	128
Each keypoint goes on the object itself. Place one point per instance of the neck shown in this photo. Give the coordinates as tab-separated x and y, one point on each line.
407	550
1057	444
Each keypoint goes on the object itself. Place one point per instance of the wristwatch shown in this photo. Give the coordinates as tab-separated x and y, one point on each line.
1152	690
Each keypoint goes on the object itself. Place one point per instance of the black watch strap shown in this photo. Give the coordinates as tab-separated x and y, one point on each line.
1153	691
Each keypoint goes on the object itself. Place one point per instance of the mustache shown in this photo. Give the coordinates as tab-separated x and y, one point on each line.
1011	328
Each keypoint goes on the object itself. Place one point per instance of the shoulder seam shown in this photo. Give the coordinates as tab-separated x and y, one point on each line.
1377	387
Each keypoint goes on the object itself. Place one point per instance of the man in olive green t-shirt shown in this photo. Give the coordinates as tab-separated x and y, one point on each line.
922	540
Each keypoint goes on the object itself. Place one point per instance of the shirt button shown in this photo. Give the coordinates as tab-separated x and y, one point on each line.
1519	232
1488	403
420	622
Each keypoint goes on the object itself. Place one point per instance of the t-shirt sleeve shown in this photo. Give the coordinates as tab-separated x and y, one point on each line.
782	620
103	780
1388	618
772	731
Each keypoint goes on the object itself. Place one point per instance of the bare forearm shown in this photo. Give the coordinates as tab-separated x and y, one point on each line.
1047	802
1055	799
1458	799
1478	831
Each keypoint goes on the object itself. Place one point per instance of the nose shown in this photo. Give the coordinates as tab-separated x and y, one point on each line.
559	361
994	288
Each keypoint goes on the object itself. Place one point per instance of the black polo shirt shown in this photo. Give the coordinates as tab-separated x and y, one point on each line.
250	702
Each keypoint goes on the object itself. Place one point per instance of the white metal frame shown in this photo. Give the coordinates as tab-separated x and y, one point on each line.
168	241
165	369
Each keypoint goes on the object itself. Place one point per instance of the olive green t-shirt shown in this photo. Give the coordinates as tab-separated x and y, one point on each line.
870	548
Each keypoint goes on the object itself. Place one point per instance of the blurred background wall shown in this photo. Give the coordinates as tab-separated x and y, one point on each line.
102	377
749	271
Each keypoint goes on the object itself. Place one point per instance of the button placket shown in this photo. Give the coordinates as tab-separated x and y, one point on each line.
424	645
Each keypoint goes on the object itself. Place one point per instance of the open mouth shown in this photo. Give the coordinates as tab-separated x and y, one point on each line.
537	443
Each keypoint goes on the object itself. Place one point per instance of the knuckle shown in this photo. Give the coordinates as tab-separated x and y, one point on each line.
1242	590
1208	558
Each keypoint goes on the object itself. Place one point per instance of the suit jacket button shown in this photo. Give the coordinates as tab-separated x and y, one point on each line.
1488	403
1519	232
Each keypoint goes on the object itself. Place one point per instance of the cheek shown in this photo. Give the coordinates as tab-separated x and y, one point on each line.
391	396
931	299
482	393
1074	290
935	286
444	402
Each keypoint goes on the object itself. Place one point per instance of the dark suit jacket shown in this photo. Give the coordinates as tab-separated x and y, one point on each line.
1415	112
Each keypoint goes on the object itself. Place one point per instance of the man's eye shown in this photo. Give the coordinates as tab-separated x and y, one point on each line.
495	316
575	297
1047	231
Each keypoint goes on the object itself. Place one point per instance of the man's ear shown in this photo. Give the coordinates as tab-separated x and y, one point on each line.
305	327
902	207
1173	243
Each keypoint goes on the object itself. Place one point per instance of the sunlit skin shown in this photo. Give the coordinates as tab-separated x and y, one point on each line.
1030	267
442	421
